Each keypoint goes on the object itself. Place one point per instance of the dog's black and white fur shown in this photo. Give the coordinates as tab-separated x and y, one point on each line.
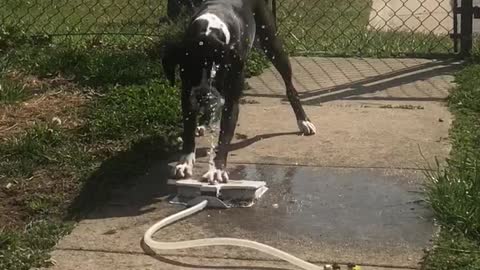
212	57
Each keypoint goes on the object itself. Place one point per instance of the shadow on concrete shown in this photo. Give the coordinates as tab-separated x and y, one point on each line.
373	84
203	151
377	83
250	141
117	174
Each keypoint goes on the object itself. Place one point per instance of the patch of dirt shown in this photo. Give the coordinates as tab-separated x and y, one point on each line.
61	108
404	107
36	85
44	187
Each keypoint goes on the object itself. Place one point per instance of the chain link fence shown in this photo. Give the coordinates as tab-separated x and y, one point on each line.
325	27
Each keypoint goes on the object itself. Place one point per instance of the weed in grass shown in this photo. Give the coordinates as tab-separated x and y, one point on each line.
453	195
43	205
467	95
11	92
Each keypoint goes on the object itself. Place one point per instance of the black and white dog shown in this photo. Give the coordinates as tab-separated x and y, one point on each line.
212	57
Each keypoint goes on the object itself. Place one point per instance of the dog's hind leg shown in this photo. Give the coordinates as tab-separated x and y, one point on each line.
273	48
203	123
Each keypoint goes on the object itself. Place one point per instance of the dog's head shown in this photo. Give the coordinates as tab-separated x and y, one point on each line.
201	46
201	60
193	55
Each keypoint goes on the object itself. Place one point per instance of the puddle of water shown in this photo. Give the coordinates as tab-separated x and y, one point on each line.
333	205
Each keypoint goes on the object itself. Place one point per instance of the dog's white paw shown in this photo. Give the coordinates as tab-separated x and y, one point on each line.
306	127
200	131
216	176
184	166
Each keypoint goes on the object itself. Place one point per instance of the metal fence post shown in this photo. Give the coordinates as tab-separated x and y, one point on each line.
466	31
274	11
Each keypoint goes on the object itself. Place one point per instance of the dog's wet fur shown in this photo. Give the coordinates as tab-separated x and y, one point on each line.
218	39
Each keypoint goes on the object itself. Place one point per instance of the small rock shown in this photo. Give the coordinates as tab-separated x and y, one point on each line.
9	185
57	120
51	262
110	232
440	120
327	267
275	205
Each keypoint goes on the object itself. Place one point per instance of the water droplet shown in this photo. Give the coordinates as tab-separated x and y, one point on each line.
263	26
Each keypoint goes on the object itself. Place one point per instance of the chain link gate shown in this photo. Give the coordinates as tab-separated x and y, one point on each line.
320	27
464	35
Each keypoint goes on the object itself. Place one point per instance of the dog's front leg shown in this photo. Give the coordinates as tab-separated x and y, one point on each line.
184	168
273	48
217	171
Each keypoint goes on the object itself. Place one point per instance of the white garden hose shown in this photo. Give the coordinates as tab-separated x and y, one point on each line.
147	238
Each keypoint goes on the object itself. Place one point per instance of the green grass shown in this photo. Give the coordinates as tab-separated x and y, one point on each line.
144	110
324	27
40	147
22	251
453	251
36	148
453	191
340	27
83	16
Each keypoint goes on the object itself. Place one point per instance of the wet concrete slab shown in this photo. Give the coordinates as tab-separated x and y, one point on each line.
372	217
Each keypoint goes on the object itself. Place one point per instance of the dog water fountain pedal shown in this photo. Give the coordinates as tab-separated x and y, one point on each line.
234	193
